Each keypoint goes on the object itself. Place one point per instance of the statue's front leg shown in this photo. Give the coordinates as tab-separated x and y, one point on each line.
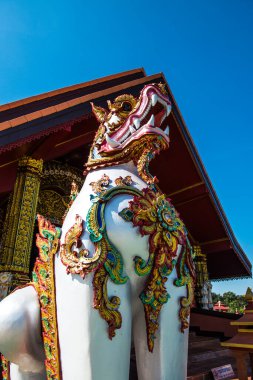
86	351
168	361
20	332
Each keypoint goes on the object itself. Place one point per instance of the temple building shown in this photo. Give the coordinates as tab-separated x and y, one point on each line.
44	142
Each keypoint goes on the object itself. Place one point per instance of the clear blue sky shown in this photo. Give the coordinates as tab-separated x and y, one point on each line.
204	48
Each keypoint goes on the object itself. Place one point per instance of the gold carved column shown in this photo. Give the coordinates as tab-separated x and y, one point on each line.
19	221
203	285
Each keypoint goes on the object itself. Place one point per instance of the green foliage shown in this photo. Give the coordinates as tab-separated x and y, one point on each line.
230	299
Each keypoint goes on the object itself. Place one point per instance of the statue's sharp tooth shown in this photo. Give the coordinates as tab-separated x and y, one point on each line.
154	99
151	121
132	130
137	123
167	130
112	143
168	109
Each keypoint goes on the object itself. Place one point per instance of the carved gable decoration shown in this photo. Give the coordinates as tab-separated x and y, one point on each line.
55	193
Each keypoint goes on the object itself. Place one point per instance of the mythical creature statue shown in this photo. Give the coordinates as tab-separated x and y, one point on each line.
119	270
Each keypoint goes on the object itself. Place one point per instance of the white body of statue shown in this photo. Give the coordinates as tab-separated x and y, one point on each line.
86	352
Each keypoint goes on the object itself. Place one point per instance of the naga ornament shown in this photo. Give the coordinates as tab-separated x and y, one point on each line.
132	129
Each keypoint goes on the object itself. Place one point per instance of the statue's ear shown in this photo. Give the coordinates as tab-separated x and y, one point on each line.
99	112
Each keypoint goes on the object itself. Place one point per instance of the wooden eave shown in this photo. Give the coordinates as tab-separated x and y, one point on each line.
52	125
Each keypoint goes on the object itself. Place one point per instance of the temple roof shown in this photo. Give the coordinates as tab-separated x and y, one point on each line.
59	125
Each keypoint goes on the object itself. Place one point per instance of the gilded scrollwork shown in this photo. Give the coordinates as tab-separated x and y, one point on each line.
52	205
105	262
100	185
59	176
156	217
20	219
120	181
47	242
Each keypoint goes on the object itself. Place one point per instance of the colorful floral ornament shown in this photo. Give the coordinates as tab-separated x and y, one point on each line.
101	184
155	216
47	241
120	181
5	364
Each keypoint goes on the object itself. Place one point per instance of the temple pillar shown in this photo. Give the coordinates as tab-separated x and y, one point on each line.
241	358
19	222
203	286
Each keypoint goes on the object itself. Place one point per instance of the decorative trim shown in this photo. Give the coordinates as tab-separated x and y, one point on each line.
126	181
46	132
100	185
106	261
156	217
52	206
73	194
5	284
238	323
230	278
186	188
245	330
236	345
5	364
47	241
20	219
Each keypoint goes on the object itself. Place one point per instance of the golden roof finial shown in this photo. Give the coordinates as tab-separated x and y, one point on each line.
249	295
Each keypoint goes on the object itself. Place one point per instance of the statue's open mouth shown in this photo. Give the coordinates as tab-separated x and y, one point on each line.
149	118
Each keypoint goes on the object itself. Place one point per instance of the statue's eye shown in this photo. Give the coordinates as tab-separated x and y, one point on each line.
126	106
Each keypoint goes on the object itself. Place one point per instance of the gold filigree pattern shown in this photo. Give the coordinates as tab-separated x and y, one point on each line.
108	308
73	194
43	281
100	185
57	175
77	260
186	303
120	181
52	205
19	224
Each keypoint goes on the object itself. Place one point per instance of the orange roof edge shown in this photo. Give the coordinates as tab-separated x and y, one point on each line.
68	104
68	88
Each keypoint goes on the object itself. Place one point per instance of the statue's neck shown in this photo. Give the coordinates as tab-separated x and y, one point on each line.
113	172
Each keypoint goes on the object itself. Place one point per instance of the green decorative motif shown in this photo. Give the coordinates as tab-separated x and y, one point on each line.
155	216
106	262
